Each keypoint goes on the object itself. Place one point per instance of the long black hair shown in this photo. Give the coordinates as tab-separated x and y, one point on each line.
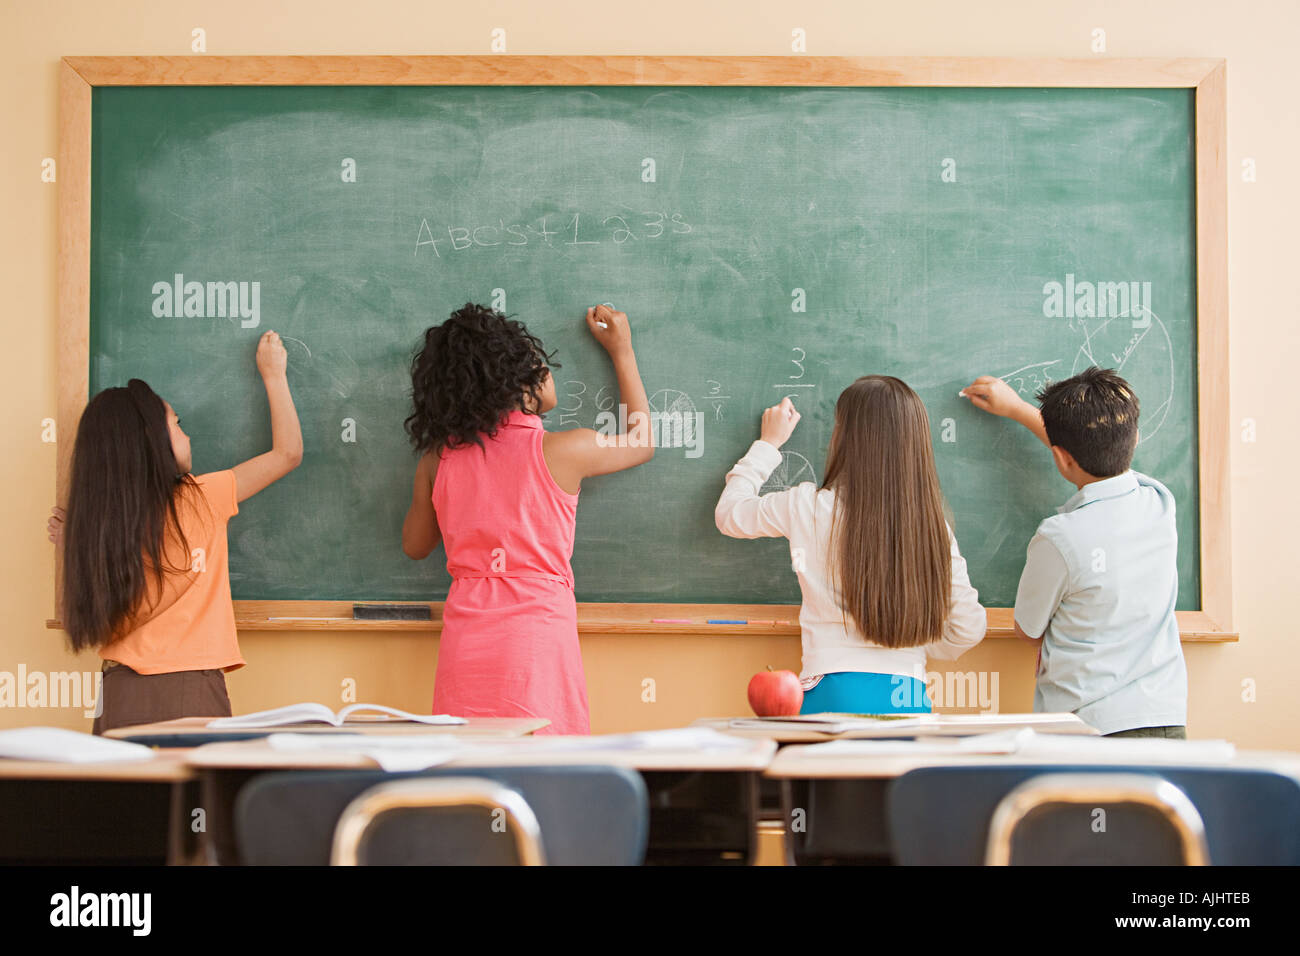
121	503
468	374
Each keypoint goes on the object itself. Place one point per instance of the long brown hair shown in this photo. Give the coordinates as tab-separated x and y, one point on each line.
122	501
889	540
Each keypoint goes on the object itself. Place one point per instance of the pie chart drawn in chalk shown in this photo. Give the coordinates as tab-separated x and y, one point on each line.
1144	356
793	470
673	418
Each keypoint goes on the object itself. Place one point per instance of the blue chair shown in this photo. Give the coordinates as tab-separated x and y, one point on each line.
503	811
1066	817
944	816
581	815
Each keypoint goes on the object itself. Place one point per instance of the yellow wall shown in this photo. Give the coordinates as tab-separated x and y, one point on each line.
693	676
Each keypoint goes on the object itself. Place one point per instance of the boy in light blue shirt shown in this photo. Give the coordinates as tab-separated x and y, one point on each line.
1101	576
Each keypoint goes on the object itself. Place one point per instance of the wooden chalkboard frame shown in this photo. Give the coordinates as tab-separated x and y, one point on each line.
78	76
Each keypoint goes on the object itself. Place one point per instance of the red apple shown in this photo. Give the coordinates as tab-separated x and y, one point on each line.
775	693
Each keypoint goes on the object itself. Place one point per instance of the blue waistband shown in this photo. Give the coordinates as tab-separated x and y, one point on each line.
860	692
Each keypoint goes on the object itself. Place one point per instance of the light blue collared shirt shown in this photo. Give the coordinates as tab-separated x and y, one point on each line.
1099	586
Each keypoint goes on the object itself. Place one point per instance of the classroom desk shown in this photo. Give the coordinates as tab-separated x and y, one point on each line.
190	727
215	797
703	805
854	787
112	812
771	805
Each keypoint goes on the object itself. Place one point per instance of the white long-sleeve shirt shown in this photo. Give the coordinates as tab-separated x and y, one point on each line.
831	639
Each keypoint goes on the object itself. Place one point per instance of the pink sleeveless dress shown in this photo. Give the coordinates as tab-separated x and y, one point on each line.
509	644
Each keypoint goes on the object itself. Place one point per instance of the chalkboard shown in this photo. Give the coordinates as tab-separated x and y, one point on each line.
764	241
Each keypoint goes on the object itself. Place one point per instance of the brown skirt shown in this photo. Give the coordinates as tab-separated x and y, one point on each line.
127	698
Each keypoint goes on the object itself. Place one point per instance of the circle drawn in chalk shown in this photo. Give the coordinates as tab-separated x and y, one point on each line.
673	417
793	470
1145	360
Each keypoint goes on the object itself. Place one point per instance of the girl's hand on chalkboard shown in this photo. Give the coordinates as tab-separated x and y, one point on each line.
272	359
994	396
610	328
778	423
55	524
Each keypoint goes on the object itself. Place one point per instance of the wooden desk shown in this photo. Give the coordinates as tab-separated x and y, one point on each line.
947	725
476	727
109	812
142	811
770	798
162	768
703	804
849	792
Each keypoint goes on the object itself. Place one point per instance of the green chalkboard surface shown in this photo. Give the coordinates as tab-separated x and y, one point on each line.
764	242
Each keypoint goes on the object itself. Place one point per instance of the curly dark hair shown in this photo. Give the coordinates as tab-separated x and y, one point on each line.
470	372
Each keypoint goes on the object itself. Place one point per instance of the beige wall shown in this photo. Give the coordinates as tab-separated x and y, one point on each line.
693	676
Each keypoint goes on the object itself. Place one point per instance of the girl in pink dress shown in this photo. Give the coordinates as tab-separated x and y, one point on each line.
502	494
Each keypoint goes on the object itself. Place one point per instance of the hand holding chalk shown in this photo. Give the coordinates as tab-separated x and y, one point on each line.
993	396
779	422
272	359
610	328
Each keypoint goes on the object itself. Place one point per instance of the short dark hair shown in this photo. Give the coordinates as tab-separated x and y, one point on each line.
1093	416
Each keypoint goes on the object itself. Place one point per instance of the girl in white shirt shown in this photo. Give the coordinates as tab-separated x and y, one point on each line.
883	583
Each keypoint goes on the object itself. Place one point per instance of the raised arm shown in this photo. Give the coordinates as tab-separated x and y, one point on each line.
286	436
998	398
420	532
583	452
741	512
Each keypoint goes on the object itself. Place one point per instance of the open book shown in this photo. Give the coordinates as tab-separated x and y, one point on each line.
320	714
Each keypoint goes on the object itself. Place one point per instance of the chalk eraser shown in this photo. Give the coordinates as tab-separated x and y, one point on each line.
392	612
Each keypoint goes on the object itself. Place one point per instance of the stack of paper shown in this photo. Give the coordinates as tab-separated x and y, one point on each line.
67	746
419	752
1002	742
1128	749
836	723
407	752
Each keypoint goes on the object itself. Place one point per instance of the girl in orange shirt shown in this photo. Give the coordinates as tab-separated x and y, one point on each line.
145	576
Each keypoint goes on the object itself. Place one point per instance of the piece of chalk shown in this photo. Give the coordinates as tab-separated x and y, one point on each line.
962	393
670	620
392	612
716	621
602	325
